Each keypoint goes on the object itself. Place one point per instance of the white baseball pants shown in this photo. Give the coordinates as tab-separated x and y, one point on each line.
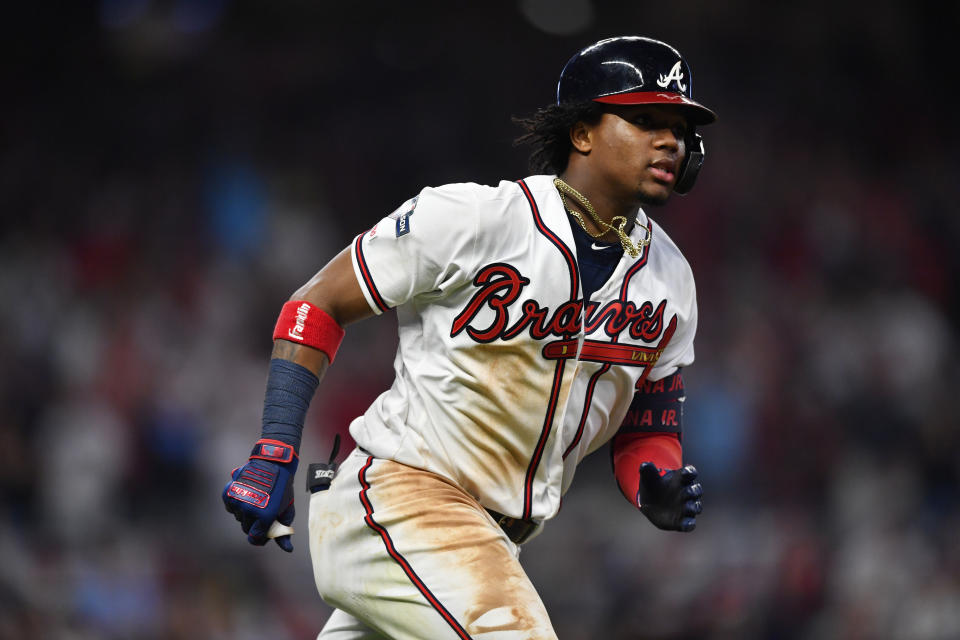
404	554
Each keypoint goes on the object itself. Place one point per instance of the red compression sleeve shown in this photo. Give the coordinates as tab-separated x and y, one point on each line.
630	450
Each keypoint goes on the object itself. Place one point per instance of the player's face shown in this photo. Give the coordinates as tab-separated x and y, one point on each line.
638	150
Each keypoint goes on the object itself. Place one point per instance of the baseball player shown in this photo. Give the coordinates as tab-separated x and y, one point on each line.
539	319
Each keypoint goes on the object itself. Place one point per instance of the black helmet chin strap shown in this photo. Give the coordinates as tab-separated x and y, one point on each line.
691	164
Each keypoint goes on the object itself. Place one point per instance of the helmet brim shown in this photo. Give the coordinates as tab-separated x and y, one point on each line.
697	113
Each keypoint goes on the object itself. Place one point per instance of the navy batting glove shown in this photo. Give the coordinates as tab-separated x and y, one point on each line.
670	501
261	491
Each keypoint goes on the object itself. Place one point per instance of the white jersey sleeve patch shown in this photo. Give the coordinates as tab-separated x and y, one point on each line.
425	245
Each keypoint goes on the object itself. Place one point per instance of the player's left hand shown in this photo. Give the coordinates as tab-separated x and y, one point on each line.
670	501
261	491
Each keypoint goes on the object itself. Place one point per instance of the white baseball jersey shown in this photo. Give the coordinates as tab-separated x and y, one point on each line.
505	379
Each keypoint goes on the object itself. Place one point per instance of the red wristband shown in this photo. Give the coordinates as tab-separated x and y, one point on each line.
304	323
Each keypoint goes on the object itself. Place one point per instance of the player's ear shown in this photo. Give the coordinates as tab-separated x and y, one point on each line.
580	137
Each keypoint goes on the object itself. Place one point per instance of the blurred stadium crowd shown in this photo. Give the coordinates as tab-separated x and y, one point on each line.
171	171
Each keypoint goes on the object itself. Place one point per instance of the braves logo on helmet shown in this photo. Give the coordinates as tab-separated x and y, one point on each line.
676	73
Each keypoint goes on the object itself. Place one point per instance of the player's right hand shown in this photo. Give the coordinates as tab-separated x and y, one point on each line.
261	491
670	501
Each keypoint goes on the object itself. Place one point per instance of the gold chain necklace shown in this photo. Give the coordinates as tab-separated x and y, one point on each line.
628	245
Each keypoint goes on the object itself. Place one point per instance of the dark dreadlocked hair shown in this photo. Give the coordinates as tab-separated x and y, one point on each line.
548	132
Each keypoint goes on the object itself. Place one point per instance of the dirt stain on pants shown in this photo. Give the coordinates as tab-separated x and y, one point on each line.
405	554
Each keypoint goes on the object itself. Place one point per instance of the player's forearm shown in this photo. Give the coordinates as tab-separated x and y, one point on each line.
314	360
306	339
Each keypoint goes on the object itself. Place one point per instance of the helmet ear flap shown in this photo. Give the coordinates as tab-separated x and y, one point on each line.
691	163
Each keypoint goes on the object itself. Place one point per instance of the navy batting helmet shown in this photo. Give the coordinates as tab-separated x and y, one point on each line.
636	70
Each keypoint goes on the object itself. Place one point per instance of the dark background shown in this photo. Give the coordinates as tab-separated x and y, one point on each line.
170	171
